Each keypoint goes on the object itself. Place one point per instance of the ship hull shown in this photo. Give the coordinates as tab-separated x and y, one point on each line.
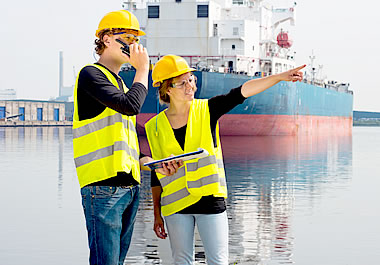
261	125
284	109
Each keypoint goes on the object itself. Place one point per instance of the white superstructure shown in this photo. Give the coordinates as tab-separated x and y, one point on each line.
216	35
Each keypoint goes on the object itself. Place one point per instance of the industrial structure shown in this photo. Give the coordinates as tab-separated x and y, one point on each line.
65	92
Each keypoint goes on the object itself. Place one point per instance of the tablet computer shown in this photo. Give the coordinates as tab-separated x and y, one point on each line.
187	156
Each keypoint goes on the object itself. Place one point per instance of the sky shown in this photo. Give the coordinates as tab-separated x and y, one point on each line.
342	35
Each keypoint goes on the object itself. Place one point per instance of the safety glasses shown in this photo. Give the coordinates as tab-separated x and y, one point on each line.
192	80
127	37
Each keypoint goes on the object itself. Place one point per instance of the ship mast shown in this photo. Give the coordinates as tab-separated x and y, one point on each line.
312	58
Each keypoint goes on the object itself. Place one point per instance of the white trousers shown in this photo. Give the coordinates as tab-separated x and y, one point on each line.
213	230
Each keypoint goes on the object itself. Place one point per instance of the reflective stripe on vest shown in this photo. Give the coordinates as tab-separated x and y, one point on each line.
176	196
105	152
193	167
198	177
100	124
204	161
214	178
106	144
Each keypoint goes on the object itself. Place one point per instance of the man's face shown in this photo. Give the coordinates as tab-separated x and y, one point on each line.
127	37
114	48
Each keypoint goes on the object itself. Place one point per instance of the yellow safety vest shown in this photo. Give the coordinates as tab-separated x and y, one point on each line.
198	177
105	144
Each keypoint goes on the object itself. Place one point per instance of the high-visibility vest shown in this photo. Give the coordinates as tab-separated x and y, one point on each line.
106	144
197	177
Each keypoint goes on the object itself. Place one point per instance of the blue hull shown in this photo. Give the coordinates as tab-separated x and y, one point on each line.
286	108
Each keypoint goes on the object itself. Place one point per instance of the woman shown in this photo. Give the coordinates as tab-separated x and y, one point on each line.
194	192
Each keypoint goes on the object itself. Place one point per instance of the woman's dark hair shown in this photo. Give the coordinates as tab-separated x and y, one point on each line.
163	91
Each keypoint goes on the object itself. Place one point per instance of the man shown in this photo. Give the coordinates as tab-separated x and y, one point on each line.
106	150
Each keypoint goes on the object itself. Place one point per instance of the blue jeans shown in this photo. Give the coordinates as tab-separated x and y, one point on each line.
213	229
110	215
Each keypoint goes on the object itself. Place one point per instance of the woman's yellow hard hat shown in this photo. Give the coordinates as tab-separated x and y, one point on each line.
121	19
169	66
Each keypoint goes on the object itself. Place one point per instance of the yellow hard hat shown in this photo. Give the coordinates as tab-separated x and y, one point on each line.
122	19
169	66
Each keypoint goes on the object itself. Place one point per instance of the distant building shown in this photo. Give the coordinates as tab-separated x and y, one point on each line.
366	118
357	115
32	113
7	94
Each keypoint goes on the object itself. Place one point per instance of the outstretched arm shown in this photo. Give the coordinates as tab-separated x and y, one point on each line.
256	86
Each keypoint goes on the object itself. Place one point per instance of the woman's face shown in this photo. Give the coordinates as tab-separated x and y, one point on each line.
183	87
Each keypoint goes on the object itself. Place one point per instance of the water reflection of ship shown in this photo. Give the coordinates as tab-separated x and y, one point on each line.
265	176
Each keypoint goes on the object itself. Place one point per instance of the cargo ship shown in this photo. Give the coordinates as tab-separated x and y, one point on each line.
230	42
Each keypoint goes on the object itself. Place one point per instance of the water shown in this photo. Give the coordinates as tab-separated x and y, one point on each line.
303	200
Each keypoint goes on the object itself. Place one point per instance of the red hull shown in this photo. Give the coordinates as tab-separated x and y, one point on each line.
255	125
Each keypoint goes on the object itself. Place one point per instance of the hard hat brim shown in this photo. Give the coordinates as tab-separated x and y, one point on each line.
139	31
175	74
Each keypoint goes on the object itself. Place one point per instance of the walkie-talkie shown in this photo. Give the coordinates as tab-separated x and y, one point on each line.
125	47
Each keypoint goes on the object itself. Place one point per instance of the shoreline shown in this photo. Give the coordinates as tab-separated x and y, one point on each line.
70	123
34	123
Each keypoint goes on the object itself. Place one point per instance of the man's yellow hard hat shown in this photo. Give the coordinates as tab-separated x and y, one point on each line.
169	66
121	19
